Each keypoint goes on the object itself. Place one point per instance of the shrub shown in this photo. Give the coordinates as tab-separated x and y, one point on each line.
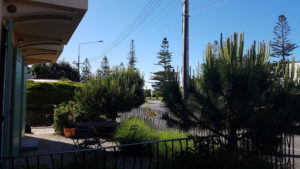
65	115
146	133
104	96
143	133
236	90
51	92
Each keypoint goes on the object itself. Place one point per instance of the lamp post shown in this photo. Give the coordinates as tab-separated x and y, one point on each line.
78	62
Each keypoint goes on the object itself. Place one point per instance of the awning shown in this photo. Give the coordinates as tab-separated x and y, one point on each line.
43	27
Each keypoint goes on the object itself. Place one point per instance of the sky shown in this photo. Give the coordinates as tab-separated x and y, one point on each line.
107	20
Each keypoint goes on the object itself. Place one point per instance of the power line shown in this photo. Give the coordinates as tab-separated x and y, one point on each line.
141	17
140	35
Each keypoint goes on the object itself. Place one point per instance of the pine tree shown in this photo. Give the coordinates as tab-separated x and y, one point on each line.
105	66
281	45
131	56
165	58
86	70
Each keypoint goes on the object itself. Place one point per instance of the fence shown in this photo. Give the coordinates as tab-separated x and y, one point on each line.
158	121
39	115
197	152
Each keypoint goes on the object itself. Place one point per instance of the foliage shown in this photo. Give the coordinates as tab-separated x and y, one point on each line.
281	45
57	70
154	98
65	115
235	91
143	133
147	92
131	55
149	112
104	70
49	93
164	55
146	133
165	58
103	97
86	73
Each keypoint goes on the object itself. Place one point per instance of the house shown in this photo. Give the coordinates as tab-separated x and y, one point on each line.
31	32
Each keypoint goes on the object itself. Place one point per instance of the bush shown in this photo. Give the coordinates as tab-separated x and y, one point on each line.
143	133
51	92
235	90
104	96
65	115
146	133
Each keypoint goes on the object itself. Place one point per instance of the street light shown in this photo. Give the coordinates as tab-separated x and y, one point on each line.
83	43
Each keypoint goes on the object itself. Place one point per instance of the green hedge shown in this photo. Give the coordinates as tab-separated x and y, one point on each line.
50	92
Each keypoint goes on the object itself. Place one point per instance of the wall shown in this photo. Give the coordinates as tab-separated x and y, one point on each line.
13	97
1	77
7	95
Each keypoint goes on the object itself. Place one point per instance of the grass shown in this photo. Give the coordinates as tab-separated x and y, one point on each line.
154	98
146	133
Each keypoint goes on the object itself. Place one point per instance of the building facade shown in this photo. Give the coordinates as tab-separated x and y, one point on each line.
31	32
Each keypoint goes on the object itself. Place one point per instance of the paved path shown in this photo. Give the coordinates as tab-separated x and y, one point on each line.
50	142
297	151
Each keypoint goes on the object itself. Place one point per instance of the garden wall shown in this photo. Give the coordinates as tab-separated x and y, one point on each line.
43	97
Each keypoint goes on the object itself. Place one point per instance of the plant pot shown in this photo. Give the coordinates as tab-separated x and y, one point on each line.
69	132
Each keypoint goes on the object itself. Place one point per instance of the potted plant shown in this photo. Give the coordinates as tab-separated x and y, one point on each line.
69	130
64	118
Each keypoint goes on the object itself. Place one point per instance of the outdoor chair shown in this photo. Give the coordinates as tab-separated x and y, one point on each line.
129	137
84	138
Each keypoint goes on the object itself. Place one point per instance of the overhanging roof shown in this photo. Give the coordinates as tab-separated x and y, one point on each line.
43	27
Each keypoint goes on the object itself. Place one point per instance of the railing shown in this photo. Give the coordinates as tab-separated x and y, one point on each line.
184	153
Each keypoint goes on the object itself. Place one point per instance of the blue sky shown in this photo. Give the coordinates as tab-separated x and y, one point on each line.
107	19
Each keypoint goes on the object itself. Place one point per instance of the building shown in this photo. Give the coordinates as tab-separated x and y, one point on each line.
32	31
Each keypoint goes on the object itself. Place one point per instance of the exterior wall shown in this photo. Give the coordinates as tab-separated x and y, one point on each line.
14	93
12	70
1	79
17	90
8	76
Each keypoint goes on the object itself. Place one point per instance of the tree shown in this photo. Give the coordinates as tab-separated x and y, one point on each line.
165	58
236	91
147	92
86	70
104	67
131	56
281	45
103	97
59	70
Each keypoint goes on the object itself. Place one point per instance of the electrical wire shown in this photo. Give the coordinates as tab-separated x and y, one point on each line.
140	19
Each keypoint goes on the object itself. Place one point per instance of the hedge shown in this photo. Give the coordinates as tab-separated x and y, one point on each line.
51	92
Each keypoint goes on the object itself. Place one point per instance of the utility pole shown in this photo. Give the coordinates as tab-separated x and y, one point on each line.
78	62
185	50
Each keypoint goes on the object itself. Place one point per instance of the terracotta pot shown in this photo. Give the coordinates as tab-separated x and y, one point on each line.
69	132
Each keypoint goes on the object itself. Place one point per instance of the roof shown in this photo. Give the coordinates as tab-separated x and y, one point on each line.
43	27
